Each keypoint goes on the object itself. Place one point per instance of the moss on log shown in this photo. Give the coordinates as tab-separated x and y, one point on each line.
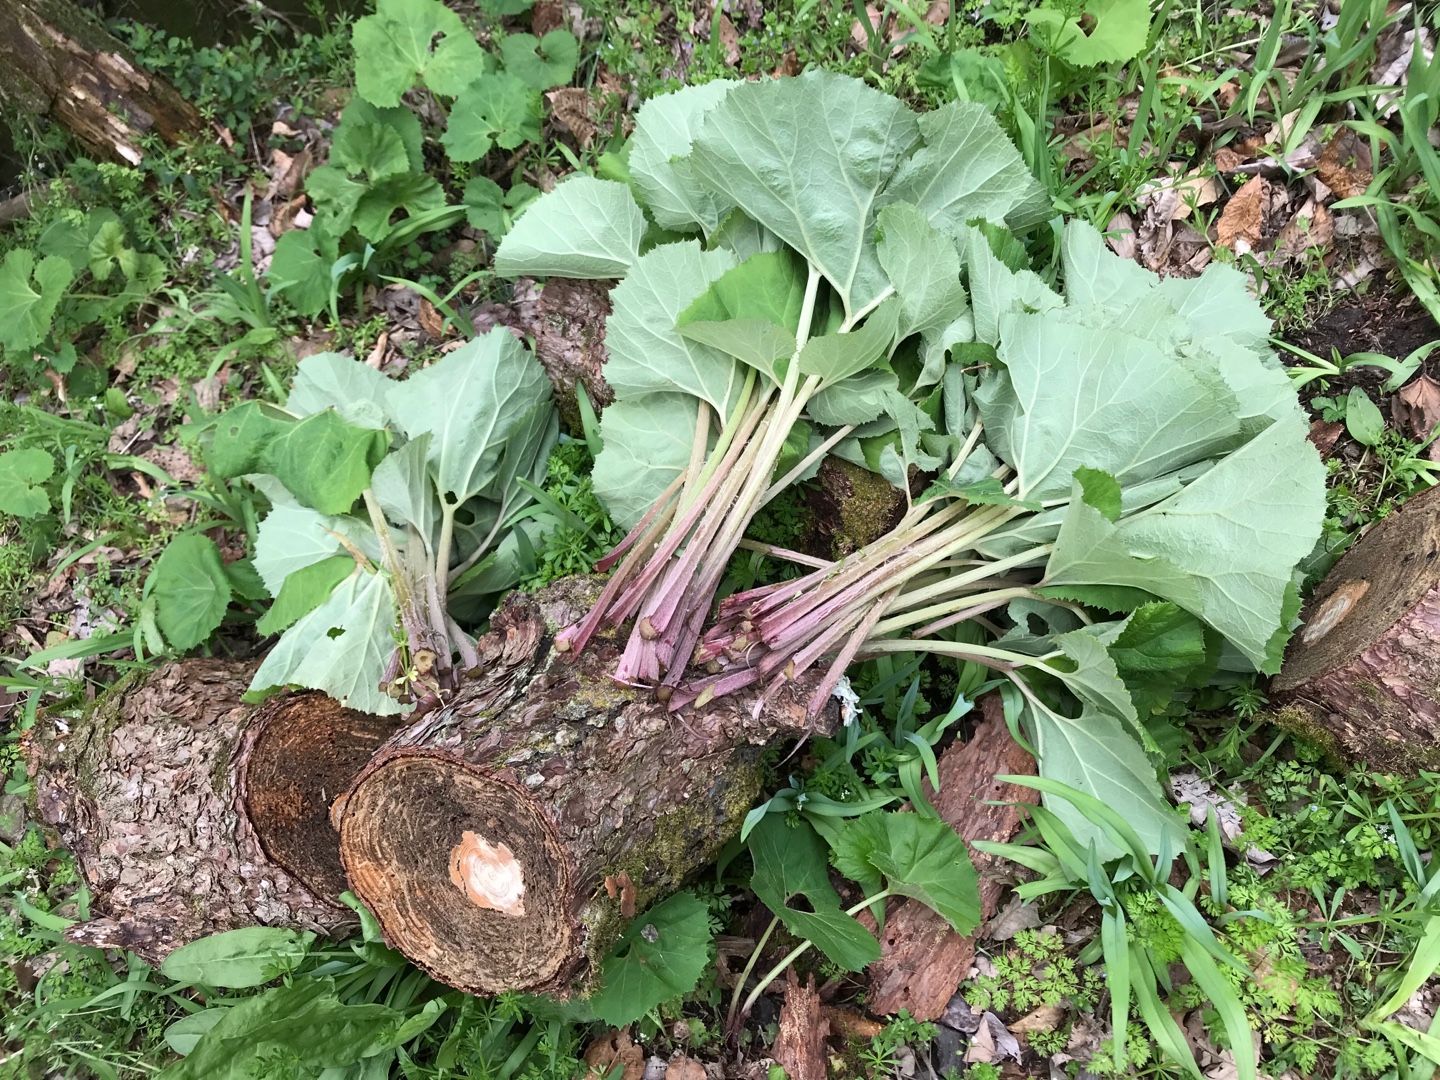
503	840
190	813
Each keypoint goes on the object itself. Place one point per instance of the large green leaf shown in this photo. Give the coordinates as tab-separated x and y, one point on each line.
647	354
1223	548
21	474
837	356
807	158
659	957
918	856
405	489
647	444
414	193
585	228
1100	32
332	381
540	63
303	591
26	307
1074	395
968	169
325	462
790	862
190	589
1096	754
300	268
237	959
495	110
1159	649
413	41
341	647
924	267
996	290
665	127
371	149
292	537
752	312
475	402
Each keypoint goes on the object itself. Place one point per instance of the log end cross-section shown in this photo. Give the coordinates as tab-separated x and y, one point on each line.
491	837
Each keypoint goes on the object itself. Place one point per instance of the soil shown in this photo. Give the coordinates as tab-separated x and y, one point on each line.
1386	319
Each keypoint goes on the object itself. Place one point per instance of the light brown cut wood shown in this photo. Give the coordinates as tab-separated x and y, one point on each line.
922	959
800	1043
1362	675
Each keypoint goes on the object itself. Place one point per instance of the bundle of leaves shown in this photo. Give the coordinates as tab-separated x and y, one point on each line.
739	360
1123	483
400	510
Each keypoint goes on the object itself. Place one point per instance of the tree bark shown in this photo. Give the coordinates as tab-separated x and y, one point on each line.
1362	676
190	813
503	840
923	960
57	61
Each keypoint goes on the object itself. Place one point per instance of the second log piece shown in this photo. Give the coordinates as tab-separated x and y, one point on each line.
1362	675
56	60
503	839
922	959
190	813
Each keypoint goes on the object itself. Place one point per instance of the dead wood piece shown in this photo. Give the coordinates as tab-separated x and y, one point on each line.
800	1044
483	835
190	813
57	61
1362	675
923	960
570	343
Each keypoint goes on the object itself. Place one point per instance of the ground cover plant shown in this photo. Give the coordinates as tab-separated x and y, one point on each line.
174	477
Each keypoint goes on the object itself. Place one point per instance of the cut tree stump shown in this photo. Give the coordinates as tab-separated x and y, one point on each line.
922	960
190	813
503	840
1362	676
59	62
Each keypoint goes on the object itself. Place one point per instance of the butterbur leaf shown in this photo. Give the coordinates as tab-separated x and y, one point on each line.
807	158
331	381
837	356
967	169
918	856
474	401
987	491
304	591
996	290
1091	674
324	461
341	647
237	959
648	353
413	41
540	63
924	267
405	489
768	287
413	193
27	306
585	228
857	400
665	128
495	110
1159	650
789	862
1097	754
491	209
647	444
292	537
300	268
21	474
660	956
370	149
1104	32
190	589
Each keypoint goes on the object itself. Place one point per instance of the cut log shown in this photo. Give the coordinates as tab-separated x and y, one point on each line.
190	813
503	839
923	960
59	62
800	1041
1362	676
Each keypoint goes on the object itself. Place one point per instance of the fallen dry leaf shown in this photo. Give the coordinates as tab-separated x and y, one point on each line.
1045	1018
1325	434
992	1042
1177	197
729	39
1344	165
1312	227
572	108
1227	160
849	1024
609	1050
684	1068
1416	408
1242	222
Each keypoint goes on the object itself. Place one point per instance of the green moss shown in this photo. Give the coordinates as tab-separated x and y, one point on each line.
866	505
1381	754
